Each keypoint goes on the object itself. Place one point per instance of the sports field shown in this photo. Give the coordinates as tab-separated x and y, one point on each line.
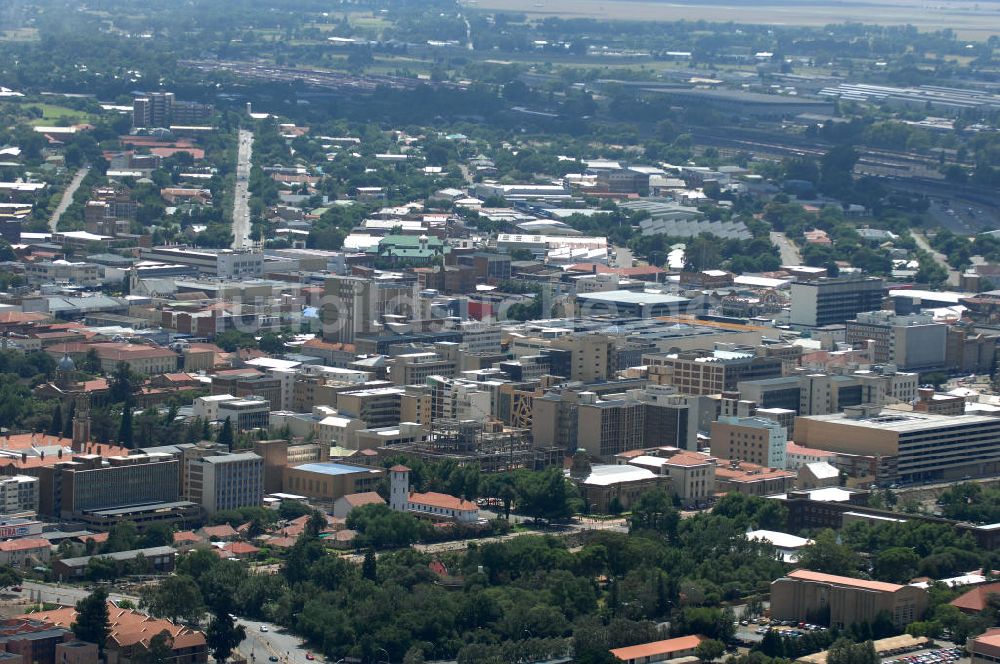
971	20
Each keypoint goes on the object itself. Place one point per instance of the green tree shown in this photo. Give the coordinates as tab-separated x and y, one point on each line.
896	565
91	622
9	576
126	434
654	511
369	567
160	649
123	383
829	555
710	649
226	434
844	652
222	636
546	495
56	425
175	597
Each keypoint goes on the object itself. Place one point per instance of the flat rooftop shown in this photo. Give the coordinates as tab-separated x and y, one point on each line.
334	468
904	421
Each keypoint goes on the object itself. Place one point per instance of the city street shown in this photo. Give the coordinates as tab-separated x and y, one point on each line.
789	252
241	196
67	198
260	646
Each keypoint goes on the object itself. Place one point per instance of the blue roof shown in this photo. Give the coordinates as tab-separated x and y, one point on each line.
332	468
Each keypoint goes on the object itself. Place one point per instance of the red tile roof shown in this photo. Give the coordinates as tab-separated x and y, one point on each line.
240	549
224	530
127	627
364	498
819	577
15	317
443	501
96	537
186	536
643	650
975	600
689	459
26	544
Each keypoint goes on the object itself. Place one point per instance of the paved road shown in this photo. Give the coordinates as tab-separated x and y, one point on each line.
623	257
260	646
63	594
789	252
241	199
939	258
67	197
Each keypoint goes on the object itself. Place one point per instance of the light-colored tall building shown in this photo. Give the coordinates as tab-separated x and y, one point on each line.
416	368
755	439
245	414
587	357
709	372
355	305
18	494
607	427
911	446
914	342
226	481
830	300
458	399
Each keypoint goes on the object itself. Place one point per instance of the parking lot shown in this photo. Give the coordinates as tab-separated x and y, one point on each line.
754	630
943	654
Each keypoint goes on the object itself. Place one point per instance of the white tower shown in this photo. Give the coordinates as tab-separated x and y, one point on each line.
399	487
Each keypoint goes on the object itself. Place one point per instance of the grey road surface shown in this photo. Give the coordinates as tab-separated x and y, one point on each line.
260	646
789	252
67	198
64	594
241	197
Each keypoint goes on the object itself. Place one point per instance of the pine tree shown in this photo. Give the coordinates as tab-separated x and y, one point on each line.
56	425
369	567
67	429
125	433
92	619
226	434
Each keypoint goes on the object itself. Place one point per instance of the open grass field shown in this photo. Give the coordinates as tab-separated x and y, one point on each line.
19	34
970	20
55	115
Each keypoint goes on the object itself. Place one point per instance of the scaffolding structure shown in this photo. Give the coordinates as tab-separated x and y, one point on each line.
494	447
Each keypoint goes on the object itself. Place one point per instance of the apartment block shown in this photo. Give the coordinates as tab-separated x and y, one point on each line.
608	426
913	446
245	414
416	368
376	407
354	305
830	300
915	342
709	372
226	481
754	439
89	483
18	494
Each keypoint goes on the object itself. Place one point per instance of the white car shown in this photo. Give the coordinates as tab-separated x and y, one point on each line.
263	628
